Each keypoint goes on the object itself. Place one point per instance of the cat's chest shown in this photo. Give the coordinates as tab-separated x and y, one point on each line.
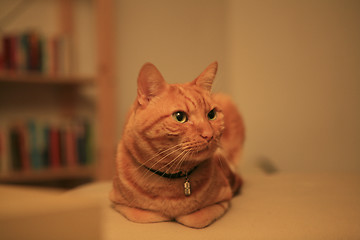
206	187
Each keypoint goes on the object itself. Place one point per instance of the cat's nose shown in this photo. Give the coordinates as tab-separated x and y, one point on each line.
205	131
207	135
207	138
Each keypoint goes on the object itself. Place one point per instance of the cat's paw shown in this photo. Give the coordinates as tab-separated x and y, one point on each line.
140	215
205	216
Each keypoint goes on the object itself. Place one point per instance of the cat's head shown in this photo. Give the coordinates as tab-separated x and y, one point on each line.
175	124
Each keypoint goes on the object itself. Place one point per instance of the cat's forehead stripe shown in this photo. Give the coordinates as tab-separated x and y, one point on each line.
200	98
193	97
181	91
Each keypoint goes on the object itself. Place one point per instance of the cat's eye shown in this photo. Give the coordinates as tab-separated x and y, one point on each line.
181	117
212	114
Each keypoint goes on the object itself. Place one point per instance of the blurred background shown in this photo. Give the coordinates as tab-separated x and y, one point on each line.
292	67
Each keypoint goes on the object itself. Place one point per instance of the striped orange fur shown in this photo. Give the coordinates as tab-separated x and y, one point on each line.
177	133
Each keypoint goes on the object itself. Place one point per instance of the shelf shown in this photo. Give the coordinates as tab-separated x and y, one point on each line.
83	172
39	78
35	95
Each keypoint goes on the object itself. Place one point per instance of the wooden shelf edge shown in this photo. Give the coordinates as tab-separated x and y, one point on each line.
39	78
48	174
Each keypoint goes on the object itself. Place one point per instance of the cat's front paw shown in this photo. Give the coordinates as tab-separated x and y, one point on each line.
140	215
205	216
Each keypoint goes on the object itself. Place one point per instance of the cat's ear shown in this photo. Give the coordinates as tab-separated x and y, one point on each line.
206	78
150	83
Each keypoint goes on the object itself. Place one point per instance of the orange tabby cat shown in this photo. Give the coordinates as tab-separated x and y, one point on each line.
177	157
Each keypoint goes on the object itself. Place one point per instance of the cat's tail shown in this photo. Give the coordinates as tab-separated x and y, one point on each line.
233	137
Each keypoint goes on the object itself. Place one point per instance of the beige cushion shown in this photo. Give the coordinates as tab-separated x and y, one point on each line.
278	206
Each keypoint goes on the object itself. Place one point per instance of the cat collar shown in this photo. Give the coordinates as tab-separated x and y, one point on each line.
180	174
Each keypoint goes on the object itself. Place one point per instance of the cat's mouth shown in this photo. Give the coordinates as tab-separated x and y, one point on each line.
195	147
200	151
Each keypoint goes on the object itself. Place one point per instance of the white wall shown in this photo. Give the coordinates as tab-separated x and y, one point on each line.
295	72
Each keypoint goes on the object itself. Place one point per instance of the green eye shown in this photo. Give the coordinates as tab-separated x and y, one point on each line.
212	114
180	116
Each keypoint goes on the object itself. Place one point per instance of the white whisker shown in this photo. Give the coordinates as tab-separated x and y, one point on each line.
160	169
160	153
181	161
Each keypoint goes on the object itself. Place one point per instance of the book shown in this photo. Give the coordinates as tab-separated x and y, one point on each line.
14	140
81	142
34	148
89	148
23	146
4	153
33	52
54	147
23	49
71	153
46	147
2	67
9	52
30	145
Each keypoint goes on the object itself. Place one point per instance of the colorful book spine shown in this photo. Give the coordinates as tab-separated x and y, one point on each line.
9	52
23	147
32	52
14	140
71	154
34	149
4	153
81	143
46	148
54	148
35	146
23	52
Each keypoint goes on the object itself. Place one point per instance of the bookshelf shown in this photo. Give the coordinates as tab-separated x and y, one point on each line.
68	96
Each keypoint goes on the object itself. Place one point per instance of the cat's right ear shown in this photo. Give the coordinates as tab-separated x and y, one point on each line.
206	78
150	83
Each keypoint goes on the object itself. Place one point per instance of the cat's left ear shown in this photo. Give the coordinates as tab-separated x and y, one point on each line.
150	83
206	78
